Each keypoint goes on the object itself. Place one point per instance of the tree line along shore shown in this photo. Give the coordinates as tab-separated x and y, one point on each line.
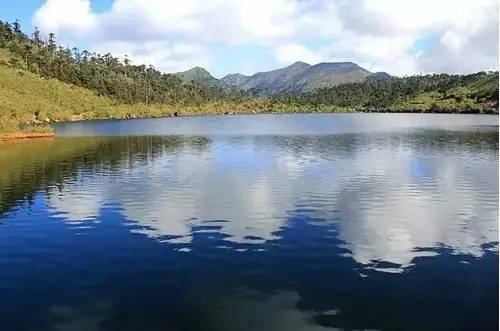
41	83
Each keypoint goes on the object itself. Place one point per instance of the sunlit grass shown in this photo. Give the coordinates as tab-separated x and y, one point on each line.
26	98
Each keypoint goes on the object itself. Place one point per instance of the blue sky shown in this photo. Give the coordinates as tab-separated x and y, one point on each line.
227	36
24	10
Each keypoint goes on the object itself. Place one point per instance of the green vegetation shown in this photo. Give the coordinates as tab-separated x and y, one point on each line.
104	74
474	93
199	75
27	98
30	166
42	83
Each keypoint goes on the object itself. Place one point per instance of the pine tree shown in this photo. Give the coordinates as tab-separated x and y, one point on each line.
36	37
51	44
17	28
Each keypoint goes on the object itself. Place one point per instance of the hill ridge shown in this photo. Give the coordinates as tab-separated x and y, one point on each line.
295	78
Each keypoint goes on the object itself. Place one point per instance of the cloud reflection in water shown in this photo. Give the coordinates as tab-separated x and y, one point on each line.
388	197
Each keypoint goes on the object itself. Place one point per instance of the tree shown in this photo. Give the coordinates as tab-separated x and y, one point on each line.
17	28
36	37
120	79
51	44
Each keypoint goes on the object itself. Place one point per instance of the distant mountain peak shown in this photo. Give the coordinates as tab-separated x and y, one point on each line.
379	76
234	79
297	77
234	75
196	74
196	69
299	63
337	64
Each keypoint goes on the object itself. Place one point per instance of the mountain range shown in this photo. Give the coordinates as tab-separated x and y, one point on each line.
295	78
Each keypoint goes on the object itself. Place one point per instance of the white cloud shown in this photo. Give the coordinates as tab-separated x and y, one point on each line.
466	31
372	53
290	53
163	55
72	16
464	51
427	14
381	34
378	53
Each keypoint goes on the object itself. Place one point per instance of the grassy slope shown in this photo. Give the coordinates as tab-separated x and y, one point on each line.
26	98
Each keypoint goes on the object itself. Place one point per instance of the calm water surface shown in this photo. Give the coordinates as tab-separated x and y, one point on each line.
304	222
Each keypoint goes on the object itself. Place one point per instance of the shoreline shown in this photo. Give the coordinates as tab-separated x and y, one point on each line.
208	114
19	135
13	136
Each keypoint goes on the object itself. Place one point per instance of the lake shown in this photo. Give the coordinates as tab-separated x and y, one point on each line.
264	222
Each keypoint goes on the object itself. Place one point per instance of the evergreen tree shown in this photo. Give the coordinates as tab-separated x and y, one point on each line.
51	44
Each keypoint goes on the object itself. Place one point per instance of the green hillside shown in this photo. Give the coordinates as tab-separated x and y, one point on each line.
472	93
26	98
30	102
42	83
198	75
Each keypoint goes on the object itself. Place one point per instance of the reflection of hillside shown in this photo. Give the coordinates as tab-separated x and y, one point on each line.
29	166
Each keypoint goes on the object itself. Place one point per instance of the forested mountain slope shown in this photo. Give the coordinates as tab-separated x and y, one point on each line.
41	82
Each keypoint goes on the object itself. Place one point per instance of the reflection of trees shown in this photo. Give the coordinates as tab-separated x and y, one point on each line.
27	167
349	144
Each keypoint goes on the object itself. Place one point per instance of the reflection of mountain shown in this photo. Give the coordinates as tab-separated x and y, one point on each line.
389	197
